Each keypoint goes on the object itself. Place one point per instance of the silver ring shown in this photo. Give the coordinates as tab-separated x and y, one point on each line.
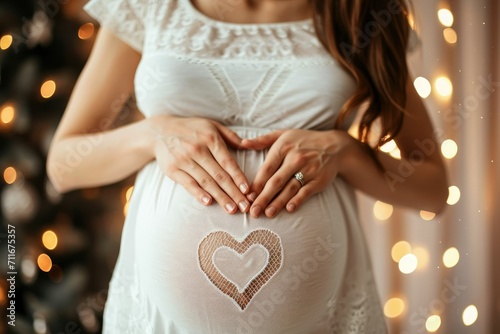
300	177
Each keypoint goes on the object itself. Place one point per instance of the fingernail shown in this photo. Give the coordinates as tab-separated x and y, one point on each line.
271	210
229	207
243	188
243	206
252	196
256	210
291	207
205	199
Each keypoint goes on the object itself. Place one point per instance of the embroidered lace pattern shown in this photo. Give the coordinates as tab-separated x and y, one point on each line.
355	308
125	311
190	35
215	240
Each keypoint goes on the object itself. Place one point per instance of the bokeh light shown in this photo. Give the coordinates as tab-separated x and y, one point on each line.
408	263
44	262
470	314
449	148
7	114
443	86
400	249
49	239
453	195
426	215
388	147
445	17
125	208
10	175
394	307
28	269
128	194
396	153
423	87
5	42
86	31
450	35
382	211
433	323
422	255
451	257
48	89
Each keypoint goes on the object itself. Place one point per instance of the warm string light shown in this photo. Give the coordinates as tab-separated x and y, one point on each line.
128	194
449	149
49	240
48	89
86	31
400	249
7	114
470	315
443	86
44	262
450	35
451	257
408	263
453	195
426	215
445	17
10	175
422	256
389	146
5	42
423	87
382	211
433	323
394	307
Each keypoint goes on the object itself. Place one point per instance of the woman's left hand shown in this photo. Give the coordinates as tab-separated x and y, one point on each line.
317	154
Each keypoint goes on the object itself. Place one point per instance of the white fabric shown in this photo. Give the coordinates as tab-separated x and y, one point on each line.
312	274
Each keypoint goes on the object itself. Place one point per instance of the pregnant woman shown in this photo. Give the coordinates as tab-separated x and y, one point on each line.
243	217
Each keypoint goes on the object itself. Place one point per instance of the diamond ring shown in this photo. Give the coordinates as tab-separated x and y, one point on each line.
300	177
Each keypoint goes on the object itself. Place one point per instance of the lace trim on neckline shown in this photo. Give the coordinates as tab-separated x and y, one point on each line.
306	23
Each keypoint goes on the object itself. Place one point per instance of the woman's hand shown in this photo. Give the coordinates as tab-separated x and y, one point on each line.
317	154
193	153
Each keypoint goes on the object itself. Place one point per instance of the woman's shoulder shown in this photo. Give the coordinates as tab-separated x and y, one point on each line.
130	20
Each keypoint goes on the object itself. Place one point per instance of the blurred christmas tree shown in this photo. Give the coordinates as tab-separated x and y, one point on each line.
65	246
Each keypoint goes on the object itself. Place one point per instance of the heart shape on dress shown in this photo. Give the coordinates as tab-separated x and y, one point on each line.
220	239
241	269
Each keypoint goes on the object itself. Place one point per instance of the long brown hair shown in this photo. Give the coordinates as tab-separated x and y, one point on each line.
369	38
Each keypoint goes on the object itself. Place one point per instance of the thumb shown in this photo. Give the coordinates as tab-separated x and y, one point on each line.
261	142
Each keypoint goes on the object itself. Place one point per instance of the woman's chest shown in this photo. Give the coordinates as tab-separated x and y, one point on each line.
258	94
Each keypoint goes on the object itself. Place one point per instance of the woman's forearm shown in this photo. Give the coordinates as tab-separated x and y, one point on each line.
96	159
418	184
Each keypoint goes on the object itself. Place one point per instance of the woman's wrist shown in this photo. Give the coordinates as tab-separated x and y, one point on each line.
345	152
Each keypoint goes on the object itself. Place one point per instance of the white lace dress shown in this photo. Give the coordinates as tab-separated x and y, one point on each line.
187	268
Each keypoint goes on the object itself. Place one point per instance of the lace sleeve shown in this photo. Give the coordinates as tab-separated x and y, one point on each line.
125	18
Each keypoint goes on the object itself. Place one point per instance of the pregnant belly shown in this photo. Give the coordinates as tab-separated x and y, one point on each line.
208	271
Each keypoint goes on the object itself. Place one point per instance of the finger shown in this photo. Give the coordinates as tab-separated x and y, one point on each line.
207	183
302	195
218	171
220	153
228	135
271	164
192	187
278	203
261	142
273	186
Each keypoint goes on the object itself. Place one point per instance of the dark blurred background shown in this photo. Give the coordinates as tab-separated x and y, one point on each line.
65	245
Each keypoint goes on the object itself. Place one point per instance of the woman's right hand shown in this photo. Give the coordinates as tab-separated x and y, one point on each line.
193	153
